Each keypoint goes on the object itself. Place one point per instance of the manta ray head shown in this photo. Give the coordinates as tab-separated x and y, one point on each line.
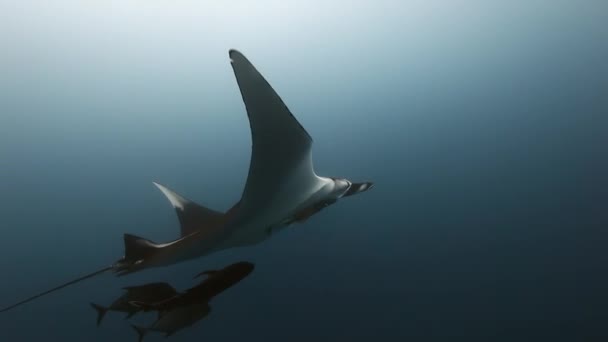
340	188
344	188
357	188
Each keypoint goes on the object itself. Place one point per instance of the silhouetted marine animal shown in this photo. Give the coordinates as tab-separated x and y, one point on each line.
184	309
153	292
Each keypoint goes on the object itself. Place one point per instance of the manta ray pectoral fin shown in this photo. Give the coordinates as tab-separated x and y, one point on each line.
281	155
192	216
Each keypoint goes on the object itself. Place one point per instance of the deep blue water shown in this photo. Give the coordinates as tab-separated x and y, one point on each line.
483	125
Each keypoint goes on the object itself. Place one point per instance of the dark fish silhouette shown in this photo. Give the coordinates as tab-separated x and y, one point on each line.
153	292
185	309
217	281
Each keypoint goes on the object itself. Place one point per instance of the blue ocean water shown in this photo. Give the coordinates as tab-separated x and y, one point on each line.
483	125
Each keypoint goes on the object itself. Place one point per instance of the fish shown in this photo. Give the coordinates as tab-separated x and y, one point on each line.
187	308
216	282
152	292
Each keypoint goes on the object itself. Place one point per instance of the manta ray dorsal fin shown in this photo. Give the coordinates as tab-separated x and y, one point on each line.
192	216
137	248
281	157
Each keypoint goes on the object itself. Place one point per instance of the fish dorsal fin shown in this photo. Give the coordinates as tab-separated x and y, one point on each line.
192	216
137	248
281	157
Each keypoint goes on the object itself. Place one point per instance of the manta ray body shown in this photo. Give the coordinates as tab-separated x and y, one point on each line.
282	188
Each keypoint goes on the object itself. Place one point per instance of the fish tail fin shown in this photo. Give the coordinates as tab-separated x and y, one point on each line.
101	312
141	332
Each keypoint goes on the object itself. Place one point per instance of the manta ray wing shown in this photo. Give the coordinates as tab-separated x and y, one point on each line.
281	158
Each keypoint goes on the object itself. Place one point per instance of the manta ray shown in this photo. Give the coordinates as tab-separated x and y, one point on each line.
282	188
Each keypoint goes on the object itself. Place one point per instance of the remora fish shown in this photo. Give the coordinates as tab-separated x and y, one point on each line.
153	292
184	309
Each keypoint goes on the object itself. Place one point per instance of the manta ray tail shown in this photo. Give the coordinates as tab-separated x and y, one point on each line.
192	216
141	332
101	312
77	280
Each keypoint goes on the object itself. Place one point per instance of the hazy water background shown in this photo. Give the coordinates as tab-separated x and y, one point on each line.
482	123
